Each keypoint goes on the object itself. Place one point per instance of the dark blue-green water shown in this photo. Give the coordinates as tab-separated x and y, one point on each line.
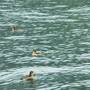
59	29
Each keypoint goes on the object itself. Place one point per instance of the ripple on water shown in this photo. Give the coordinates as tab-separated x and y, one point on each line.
55	27
80	85
13	73
80	9
15	37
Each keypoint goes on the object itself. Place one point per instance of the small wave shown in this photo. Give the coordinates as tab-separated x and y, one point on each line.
15	37
83	84
80	9
12	73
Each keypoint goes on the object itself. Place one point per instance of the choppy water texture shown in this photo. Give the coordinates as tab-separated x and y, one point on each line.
57	28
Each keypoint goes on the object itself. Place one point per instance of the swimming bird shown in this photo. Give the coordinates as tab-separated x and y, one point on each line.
30	76
34	52
14	29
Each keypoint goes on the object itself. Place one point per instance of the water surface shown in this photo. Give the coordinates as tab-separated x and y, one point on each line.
57	28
